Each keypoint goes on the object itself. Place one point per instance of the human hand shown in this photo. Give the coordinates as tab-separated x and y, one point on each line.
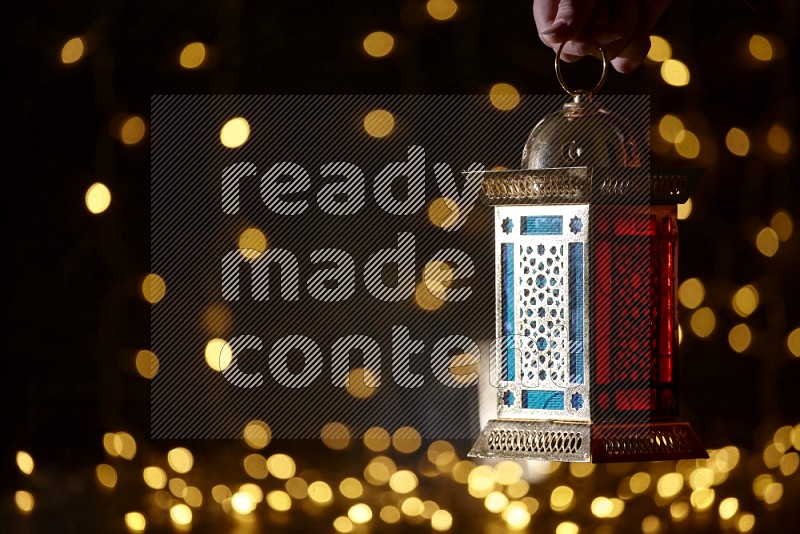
621	27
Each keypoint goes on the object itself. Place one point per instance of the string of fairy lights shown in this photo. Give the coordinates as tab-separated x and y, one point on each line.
403	480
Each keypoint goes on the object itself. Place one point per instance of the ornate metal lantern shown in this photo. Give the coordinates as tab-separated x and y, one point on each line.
586	246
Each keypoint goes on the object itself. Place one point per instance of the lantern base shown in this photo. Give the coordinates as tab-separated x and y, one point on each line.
534	440
581	442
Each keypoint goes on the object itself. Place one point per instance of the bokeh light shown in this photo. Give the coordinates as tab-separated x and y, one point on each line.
98	198
252	243
135	521
778	139
378	44
146	364
737	142
740	337
132	130
691	293
235	132
193	55
503	96
767	242
73	50
660	49
379	123
218	354
675	73
760	47
153	288
745	300
441	10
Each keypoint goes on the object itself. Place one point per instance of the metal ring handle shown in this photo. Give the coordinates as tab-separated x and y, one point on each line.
579	92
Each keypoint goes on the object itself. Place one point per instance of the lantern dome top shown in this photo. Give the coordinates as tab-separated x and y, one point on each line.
581	134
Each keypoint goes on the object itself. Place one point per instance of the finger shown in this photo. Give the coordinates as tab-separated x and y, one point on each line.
569	20
623	22
633	55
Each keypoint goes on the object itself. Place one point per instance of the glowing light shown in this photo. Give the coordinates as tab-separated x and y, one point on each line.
279	501
180	460
257	434
243	502
218	354
728	507
778	139
691	293
98	198
746	523
25	462
135	521
793	344
390	514
441	10
376	439
745	301
192	496
581	470
495	502
177	486
193	55
320	492
335	436
789	463
153	288
685	209
760	47
378	472
442	453
567	527
669	127
378	44
406	440
702	477
403	481
443	212
147	364
767	242
737	142
702	498
739	337
703	322
462	470
155	477
441	520
255	466
651	525
180	514
640	482
516	516
281	466
679	510
361	383
782	224
773	493
360	513
437	276
235	132
351	488
106	475
220	492
412	506
425	299
508	472
687	144
562	498
24	501
297	488
660	49
72	50
760	484
132	130
379	123
675	73
252	243
602	507
669	485
342	524
503	96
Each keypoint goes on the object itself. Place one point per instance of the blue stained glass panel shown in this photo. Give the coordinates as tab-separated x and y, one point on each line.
576	313
507	304
541	225
538	399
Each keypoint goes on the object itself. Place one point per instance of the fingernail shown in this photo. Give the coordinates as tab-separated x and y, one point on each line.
558	26
608	38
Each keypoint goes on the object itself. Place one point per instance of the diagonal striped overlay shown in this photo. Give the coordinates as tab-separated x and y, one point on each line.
350	228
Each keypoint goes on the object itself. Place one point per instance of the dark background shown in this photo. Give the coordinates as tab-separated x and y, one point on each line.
73	315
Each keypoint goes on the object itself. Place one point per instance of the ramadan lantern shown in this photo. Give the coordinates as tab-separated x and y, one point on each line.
586	246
